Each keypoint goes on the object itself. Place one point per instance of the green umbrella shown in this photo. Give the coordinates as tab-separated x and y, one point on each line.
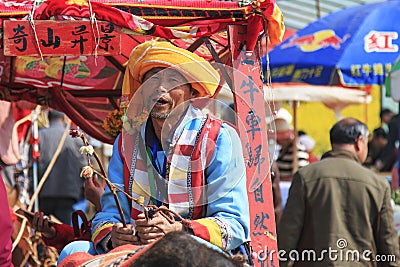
392	81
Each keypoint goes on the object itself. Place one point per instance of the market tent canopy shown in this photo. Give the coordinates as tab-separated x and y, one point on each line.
329	95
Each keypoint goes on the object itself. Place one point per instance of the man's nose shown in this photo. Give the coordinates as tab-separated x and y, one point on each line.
161	87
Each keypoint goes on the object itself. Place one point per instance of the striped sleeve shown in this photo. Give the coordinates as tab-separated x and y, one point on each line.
101	236
213	230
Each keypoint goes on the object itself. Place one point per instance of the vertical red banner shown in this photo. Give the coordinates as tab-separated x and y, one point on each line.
251	115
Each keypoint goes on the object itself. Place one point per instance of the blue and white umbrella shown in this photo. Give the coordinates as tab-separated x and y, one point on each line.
352	47
392	82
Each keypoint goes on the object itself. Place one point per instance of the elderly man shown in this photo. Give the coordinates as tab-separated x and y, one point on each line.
176	157
338	212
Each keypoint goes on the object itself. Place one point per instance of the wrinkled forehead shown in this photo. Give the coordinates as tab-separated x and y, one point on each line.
165	72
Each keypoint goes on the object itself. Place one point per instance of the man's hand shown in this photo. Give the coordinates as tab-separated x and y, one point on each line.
121	235
93	190
154	229
41	224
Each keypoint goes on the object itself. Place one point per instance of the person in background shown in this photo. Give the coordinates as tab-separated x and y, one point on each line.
59	235
375	147
338	204
395	176
386	116
388	157
285	160
276	191
64	186
309	143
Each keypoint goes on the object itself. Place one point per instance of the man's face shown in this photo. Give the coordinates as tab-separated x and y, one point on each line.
165	89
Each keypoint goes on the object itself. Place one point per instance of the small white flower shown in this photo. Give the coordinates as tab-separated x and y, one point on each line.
126	125
124	118
87	172
87	150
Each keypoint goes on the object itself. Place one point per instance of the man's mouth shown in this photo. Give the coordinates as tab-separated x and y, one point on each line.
161	101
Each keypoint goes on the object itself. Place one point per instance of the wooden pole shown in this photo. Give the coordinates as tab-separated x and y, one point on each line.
317	5
295	158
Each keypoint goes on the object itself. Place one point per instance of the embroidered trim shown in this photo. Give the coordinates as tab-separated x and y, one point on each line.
124	258
100	227
226	231
133	164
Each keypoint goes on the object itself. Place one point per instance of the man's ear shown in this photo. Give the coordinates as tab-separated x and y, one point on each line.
358	144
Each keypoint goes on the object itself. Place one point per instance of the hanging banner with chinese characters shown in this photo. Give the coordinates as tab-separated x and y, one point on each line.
250	110
63	38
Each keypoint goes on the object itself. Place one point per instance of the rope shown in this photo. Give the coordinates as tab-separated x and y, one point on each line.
14	134
42	181
32	23
93	20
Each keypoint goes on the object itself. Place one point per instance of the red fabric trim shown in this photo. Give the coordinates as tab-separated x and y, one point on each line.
200	230
65	105
176	198
198	180
103	233
184	150
205	27
64	235
14	217
6	228
135	213
75	259
79	258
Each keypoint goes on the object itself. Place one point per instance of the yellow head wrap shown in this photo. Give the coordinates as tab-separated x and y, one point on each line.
152	54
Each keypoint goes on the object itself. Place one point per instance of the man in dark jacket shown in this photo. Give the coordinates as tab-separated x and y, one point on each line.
338	212
64	186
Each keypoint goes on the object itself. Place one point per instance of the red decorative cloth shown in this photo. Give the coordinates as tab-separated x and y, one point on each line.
195	18
6	228
125	255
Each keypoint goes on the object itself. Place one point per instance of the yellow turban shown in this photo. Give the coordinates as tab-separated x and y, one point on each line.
152	54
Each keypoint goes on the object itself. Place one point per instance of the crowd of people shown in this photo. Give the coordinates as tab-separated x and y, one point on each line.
180	177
